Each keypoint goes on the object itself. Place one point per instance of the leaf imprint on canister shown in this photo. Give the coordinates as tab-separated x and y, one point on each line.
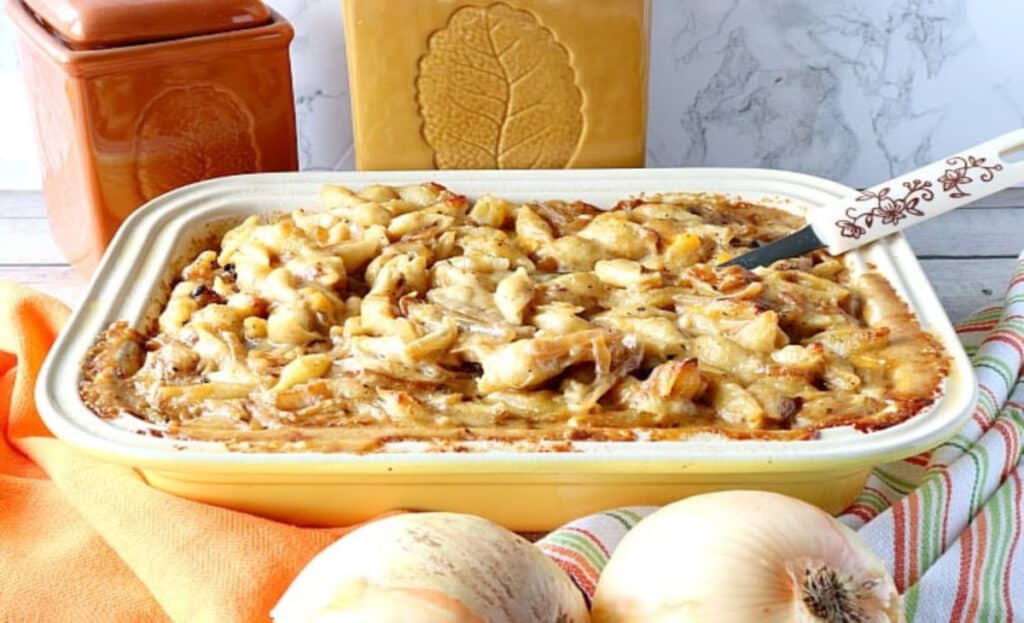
497	91
187	134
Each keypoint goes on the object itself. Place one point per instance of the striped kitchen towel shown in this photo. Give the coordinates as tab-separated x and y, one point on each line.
947	522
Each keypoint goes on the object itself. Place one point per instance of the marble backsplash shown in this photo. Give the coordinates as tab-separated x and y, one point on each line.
854	90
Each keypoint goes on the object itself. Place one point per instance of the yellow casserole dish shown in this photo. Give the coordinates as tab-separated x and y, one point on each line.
523	490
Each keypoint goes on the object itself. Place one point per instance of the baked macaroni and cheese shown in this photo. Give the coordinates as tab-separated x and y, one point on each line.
418	314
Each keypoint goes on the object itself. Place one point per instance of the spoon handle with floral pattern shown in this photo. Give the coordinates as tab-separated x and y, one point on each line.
866	215
932	190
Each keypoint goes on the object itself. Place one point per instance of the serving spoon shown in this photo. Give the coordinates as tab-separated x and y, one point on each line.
864	216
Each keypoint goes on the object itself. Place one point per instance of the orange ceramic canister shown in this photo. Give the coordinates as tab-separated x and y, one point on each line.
133	99
507	84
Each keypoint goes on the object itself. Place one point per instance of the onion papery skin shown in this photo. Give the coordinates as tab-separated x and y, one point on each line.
432	568
738	557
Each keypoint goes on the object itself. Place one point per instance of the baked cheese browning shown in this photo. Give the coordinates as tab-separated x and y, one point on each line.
414	313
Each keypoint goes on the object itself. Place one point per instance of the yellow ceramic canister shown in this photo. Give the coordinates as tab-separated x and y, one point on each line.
472	84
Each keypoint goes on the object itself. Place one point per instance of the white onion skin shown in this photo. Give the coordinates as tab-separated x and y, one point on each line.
432	568
732	557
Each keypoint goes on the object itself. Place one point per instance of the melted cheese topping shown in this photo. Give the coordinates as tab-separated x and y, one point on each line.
415	313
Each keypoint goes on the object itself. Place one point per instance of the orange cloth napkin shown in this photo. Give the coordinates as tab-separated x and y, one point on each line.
87	541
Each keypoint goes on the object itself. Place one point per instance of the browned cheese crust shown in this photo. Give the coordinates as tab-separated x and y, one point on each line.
417	314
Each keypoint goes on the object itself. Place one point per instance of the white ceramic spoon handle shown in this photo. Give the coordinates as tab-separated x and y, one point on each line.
919	195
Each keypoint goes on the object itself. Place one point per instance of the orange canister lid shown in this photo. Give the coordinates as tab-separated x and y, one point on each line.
86	24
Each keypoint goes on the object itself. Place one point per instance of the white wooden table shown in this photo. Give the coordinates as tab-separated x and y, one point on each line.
968	254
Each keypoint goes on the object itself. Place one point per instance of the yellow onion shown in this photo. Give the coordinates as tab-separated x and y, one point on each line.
740	556
431	568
